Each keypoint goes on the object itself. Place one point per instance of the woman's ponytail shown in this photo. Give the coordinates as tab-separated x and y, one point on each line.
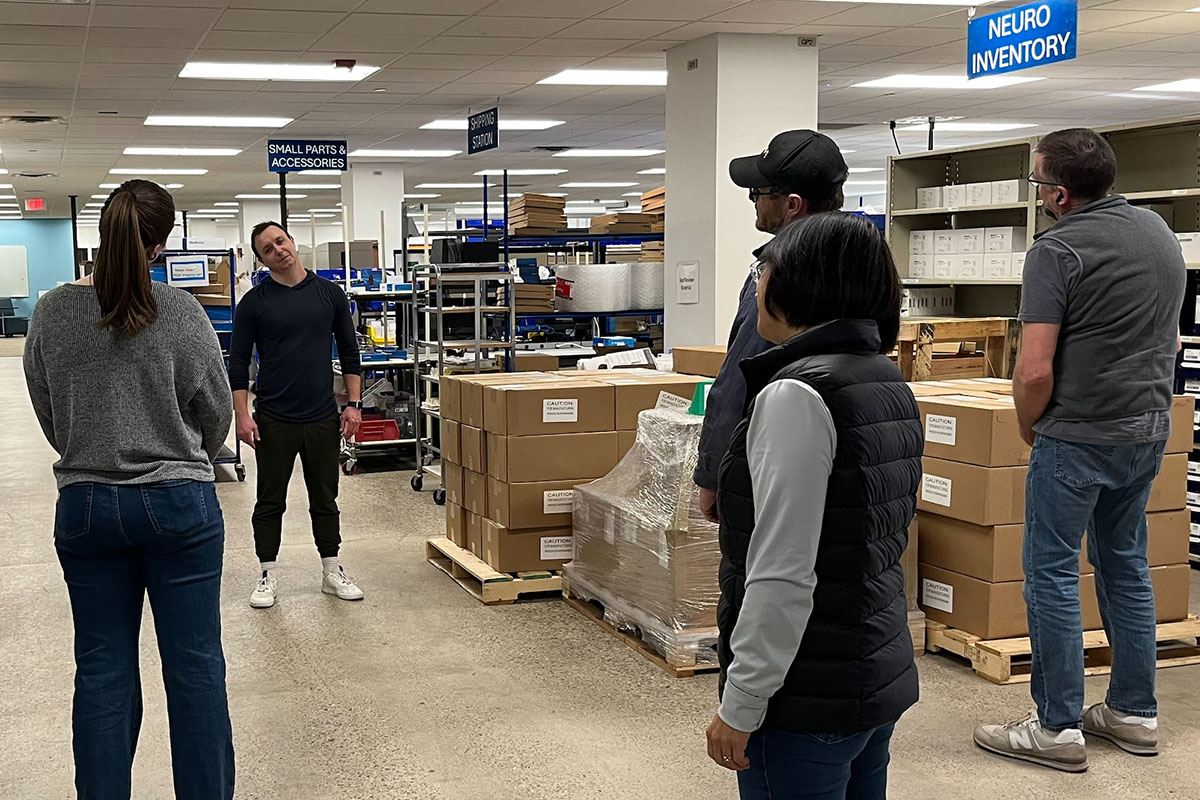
138	216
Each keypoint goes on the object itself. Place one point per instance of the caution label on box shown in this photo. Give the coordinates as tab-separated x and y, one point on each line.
937	595
941	430
557	548
559	501
936	489
566	410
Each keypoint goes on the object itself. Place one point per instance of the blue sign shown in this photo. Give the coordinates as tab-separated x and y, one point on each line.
290	155
483	131
1022	37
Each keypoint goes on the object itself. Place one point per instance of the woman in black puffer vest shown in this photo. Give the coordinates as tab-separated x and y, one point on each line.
815	496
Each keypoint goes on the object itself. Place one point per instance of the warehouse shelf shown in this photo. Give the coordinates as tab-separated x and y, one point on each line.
926	212
961	282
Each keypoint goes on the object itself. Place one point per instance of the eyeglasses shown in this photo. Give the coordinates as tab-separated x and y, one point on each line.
757	269
757	193
1040	182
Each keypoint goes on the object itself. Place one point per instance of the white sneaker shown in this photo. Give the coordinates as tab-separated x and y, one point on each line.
263	595
1026	740
337	582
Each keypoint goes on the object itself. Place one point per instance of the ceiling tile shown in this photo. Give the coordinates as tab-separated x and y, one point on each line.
257	41
475	45
679	10
617	29
388	47
430	61
772	11
509	26
41	35
395	24
184	38
258	20
698	30
451	7
182	19
43	14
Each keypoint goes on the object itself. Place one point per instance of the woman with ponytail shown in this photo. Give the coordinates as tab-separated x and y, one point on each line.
130	388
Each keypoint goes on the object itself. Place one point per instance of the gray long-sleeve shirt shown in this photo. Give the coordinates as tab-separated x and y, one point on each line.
127	410
790	445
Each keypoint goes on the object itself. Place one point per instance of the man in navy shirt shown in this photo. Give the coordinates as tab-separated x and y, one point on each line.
292	318
799	174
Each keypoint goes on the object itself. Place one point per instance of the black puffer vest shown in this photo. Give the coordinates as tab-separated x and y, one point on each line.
854	670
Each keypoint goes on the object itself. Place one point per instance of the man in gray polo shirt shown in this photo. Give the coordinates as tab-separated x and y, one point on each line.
1100	305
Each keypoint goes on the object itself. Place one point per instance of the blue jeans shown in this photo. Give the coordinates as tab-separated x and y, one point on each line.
816	766
1103	489
117	544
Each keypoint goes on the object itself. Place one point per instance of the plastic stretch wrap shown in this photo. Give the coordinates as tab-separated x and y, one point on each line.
647	291
642	547
585	288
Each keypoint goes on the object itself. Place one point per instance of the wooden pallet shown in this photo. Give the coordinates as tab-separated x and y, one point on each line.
919	360
1006	661
679	662
486	584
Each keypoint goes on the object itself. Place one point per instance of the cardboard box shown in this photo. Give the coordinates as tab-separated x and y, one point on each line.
450	397
475	492
640	389
526	551
971	241
970	267
558	457
475	534
945	243
997	610
920	267
544	504
450	444
1007	239
997	266
452	477
920	243
470	390
979	194
549	407
456	524
973	430
1183	410
535	361
929	197
955	196
625	442
705	361
996	495
473	450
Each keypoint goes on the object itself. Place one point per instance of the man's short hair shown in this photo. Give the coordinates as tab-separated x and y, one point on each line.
833	266
259	228
1080	160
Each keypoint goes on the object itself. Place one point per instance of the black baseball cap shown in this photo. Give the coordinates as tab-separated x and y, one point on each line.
804	162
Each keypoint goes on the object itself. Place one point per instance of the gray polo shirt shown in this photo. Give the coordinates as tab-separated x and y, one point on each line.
1112	275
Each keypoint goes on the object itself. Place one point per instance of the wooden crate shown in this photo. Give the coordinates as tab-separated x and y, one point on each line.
923	356
1006	661
486	584
691	652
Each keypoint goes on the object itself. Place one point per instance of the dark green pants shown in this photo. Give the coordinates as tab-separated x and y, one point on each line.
317	444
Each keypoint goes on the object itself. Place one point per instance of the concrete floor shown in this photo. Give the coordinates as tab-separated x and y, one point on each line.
421	692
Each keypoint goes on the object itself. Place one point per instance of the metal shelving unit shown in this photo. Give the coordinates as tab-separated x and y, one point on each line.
430	348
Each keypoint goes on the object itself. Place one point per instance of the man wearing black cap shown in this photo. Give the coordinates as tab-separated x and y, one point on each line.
799	174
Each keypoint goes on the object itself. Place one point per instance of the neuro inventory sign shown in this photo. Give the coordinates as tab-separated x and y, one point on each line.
1020	38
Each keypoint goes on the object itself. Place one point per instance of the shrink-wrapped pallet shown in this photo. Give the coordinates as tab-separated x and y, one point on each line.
587	288
646	289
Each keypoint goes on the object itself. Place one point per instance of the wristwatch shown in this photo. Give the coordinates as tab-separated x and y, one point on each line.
356	404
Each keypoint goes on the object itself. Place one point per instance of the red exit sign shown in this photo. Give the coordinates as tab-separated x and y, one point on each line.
35	204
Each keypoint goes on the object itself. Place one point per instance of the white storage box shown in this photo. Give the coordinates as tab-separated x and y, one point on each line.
956	196
997	266
1006	240
646	288
929	197
1018	265
970	267
979	194
945	242
1189	243
971	240
1006	191
926	302
920	243
582	288
944	266
920	266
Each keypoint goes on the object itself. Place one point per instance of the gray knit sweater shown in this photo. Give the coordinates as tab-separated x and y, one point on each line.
127	410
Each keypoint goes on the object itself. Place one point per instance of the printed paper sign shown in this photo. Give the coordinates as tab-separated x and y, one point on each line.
937	595
936	490
187	270
557	548
687	277
560	410
941	430
672	402
558	501
1192	356
1195	532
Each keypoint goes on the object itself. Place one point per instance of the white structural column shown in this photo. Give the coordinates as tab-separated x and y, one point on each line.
368	189
727	95
254	212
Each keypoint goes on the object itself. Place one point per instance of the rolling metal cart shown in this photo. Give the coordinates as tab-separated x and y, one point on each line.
464	296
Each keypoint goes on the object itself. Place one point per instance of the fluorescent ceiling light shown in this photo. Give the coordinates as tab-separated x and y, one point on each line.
338	224
228	203
153	171
324	216
9	186
268	196
10	205
319	172
582	153
598	185
1194	10
218	122
943	82
93	205
860	170
505	124
1189	85
3	172
213	211
453	185
181	151
225	71
608	77
632	194
653	171
304	186
96	196
334	210
970	127
484	172
1141	95
8	197
212	216
552	194
404	153
585	211
425	196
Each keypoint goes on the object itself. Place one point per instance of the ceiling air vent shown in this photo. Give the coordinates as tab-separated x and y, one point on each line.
67	2
550	149
32	119
34	174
